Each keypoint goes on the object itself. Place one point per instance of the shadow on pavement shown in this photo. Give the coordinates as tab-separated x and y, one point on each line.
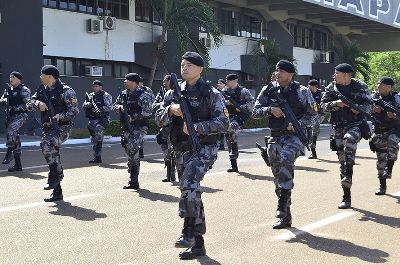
24	174
327	161
79	213
154	161
255	177
248	152
394	197
209	190
366	157
339	247
206	260
154	196
313	169
112	166
378	218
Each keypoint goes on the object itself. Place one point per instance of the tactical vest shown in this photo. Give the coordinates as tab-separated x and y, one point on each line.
56	98
317	95
386	123
235	96
98	99
344	116
15	98
291	95
133	107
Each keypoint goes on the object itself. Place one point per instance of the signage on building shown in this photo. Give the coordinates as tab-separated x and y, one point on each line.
383	11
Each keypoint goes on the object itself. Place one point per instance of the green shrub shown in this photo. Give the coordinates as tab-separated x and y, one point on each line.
255	123
114	129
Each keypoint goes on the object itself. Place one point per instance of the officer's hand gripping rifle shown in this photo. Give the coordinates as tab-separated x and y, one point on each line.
187	117
350	103
94	105
291	118
7	93
50	109
124	117
386	106
264	151
244	115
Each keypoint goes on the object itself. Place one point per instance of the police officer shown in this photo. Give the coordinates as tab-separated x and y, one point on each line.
136	102
97	109
207	110
221	141
284	146
163	138
239	103
15	98
385	139
348	123
314	129
150	91
62	99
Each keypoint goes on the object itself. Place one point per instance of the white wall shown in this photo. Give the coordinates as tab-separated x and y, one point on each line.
304	60
65	35
227	56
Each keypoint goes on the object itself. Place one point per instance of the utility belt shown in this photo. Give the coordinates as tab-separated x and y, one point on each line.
209	139
380	130
278	133
47	125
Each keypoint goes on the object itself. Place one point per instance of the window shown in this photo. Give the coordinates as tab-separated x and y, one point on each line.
142	10
115	8
310	38
237	24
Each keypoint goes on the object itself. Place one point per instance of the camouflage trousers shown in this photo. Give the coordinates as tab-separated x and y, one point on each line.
132	143
232	138
51	143
13	140
387	148
314	130
195	167
96	131
283	152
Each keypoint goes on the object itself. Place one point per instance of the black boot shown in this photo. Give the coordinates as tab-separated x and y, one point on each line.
141	153
134	177
56	195
56	176
170	171
198	249
95	160
17	166
97	153
186	240
387	173
313	154
347	176
9	156
284	222
382	186
283	200
346	202
234	167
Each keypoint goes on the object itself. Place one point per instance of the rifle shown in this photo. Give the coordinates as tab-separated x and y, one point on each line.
94	105
243	115
124	117
291	118
386	106
187	117
7	92
351	104
264	151
50	109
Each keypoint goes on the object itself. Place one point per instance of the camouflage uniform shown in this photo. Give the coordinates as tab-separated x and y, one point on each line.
164	141
284	146
347	126
385	140
139	107
16	117
314	130
243	97
207	109
65	103
98	122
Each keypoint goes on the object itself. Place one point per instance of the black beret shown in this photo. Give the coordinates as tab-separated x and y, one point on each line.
286	66
134	77
16	74
222	81
97	82
313	82
51	70
167	77
344	68
231	77
387	81
194	58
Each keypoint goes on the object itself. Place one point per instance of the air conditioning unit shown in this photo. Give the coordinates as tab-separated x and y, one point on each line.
109	22
94	26
93	70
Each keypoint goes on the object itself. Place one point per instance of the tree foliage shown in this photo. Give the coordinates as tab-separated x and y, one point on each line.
384	64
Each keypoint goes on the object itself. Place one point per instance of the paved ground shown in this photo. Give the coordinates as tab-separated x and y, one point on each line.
99	223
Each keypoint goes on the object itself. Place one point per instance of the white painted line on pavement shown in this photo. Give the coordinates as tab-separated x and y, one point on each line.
36	204
33	167
125	157
333	219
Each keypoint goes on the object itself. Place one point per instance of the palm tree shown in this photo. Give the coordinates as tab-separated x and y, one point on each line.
181	17
270	53
350	52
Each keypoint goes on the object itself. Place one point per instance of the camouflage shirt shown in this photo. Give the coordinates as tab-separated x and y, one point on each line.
245	96
25	94
145	102
108	104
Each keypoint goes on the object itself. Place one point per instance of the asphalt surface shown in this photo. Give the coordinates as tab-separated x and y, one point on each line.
100	223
